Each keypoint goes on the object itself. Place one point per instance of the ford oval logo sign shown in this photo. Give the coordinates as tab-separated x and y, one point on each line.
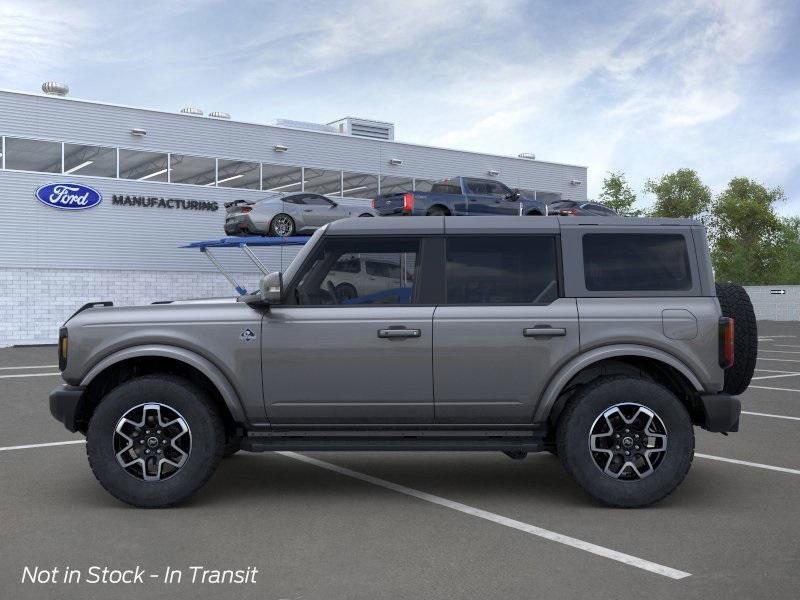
68	196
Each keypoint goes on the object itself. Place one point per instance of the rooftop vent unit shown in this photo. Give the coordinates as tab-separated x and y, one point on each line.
53	88
376	130
192	110
219	115
527	155
303	125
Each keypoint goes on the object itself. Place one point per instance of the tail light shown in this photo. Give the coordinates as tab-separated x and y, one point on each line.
408	203
62	348
246	209
374	202
726	347
571	212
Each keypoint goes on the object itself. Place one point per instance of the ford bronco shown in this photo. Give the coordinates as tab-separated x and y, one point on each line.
602	340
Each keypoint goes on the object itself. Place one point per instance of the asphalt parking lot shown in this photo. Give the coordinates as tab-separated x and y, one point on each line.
413	525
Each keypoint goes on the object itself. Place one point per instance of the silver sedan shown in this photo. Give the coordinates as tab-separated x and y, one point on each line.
283	215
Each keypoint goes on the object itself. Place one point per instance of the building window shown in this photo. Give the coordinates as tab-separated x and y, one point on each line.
143	166
359	185
33	155
90	160
423	185
196	170
280	178
396	185
238	174
325	182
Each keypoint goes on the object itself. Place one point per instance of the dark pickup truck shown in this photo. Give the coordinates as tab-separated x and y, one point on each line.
461	196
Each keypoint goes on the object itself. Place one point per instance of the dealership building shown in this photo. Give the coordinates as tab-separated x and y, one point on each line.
161	180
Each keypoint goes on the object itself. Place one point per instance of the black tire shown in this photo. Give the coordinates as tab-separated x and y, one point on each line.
366	215
437	211
207	434
232	446
586	408
279	218
735	303
346	291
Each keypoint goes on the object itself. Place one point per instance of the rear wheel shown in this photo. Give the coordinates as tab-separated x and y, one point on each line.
282	225
366	215
735	303
627	441
437	211
154	440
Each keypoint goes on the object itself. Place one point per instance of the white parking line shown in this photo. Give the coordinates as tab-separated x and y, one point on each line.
28	375
495	518
781	351
787	346
778	359
48	444
763	387
749	464
776	376
29	367
775	371
757	414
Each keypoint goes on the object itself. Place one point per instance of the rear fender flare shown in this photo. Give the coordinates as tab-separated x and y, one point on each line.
577	364
206	367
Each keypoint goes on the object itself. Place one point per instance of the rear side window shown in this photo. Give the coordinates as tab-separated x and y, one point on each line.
615	262
501	270
446	187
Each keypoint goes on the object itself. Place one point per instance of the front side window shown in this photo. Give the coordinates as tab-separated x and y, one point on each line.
315	200
335	276
476	186
33	155
90	160
616	262
501	270
143	166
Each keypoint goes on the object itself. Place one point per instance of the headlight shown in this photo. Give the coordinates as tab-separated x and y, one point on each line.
63	344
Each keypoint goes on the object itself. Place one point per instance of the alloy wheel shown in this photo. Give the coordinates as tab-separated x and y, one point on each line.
282	225
152	441
628	441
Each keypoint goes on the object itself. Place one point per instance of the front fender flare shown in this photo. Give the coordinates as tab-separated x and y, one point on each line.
577	364
206	367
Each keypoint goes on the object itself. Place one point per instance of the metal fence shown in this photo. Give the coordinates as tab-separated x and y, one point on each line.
775	303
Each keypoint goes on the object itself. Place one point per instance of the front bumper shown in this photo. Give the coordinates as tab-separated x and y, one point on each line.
66	403
720	412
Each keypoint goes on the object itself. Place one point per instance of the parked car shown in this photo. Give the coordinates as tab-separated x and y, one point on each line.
461	196
604	345
571	208
287	214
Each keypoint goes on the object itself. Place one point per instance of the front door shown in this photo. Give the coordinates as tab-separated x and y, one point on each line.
502	330
347	349
319	210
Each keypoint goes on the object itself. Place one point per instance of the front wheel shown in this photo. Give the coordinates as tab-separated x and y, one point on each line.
282	225
155	440
627	441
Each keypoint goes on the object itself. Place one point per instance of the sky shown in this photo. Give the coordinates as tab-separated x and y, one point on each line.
639	87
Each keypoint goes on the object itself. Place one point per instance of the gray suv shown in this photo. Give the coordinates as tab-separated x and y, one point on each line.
603	340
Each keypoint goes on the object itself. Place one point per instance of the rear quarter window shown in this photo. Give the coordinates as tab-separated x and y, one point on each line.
615	262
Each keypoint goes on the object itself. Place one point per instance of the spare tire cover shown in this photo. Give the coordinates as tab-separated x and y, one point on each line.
735	303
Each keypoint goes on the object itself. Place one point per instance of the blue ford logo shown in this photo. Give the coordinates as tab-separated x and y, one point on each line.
68	196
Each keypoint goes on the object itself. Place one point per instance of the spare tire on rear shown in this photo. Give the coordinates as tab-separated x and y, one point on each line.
735	303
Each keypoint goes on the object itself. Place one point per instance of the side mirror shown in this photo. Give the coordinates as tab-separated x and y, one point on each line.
271	287
514	195
334	204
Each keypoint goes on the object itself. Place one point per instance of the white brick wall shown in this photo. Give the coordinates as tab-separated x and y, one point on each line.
35	302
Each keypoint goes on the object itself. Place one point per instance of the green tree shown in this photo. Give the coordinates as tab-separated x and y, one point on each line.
679	195
751	244
618	195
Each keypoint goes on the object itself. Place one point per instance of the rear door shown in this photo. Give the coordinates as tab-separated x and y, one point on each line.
504	327
319	210
488	198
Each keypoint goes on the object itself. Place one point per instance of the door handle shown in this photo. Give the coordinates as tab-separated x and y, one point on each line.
399	333
544	332
307	210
